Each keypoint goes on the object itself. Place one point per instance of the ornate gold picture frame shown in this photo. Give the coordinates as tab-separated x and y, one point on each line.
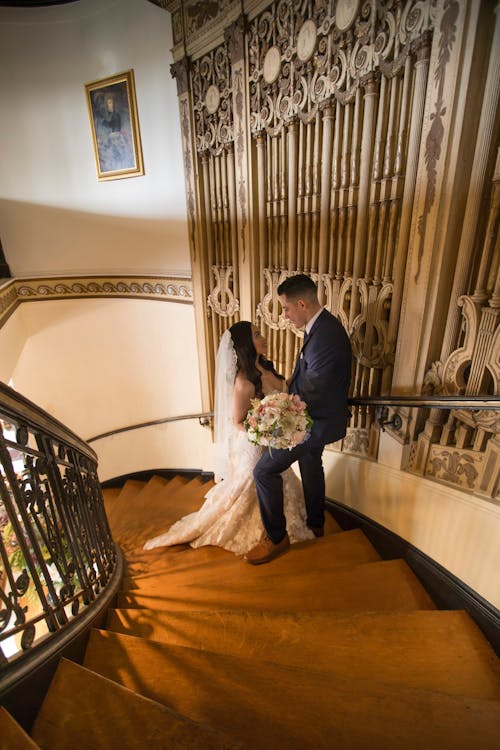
115	127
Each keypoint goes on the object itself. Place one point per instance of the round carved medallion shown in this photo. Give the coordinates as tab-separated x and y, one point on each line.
306	41
272	65
345	13
212	99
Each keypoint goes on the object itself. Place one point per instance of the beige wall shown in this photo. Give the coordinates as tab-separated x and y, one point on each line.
457	530
98	365
55	216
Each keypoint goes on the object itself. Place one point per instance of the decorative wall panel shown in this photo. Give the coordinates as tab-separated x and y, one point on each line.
171	288
323	144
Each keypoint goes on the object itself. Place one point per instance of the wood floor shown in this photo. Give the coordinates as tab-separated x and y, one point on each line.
327	647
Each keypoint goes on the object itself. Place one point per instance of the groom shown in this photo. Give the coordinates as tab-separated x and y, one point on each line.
321	378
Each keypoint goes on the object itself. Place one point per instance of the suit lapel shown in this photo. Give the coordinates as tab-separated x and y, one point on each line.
306	343
316	325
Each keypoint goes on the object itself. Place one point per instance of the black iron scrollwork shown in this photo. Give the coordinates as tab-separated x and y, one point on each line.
56	550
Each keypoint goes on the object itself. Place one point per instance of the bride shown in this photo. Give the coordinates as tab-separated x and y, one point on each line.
230	515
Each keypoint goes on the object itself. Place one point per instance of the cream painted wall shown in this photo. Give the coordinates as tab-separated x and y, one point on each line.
55	217
457	530
12	341
175	445
105	364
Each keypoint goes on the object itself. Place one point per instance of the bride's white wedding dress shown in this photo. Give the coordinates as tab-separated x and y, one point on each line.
230	515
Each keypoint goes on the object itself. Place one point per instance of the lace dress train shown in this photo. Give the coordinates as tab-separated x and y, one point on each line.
230	516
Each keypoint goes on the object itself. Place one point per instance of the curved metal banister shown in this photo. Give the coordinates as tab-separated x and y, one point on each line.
467	403
15	405
430	402
57	555
151	423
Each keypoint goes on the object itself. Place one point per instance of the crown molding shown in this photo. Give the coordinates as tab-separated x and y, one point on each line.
167	288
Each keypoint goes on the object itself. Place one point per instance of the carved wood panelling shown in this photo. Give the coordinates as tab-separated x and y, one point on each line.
320	135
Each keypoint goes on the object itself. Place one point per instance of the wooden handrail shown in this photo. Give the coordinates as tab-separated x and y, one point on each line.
468	403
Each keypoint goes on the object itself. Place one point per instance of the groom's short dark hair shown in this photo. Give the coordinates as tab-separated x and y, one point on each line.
298	286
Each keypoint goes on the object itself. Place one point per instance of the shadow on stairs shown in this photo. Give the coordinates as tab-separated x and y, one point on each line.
326	647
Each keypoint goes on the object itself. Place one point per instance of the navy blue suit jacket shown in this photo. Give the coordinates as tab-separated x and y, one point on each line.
322	376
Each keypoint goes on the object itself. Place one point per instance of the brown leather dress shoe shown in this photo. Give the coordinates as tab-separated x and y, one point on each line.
266	550
317	530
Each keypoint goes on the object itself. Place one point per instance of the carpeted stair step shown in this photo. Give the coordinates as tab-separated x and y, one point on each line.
150	562
442	651
271	705
162	559
186	499
125	497
335	550
160	509
376	586
110	496
156	490
85	711
157	507
12	736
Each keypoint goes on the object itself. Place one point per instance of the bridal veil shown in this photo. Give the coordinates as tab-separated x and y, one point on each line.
225	373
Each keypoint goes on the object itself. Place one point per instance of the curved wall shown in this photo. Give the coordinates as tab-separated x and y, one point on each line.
55	216
101	364
459	531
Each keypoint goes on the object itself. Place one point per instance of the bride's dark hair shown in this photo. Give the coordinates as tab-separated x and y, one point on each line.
246	353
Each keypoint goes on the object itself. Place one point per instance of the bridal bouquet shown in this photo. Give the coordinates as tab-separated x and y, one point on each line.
279	420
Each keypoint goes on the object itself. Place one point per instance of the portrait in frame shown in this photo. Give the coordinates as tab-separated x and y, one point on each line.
115	127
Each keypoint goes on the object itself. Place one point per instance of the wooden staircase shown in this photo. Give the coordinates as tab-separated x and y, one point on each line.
326	647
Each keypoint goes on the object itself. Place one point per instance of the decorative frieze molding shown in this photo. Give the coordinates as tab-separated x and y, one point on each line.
168	288
8	301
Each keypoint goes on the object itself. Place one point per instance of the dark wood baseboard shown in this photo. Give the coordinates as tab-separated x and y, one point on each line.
446	590
145	476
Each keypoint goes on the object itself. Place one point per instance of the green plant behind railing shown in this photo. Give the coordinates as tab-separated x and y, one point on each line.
56	550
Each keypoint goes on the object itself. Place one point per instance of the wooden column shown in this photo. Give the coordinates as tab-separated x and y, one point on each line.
235	38
364	190
180	71
432	248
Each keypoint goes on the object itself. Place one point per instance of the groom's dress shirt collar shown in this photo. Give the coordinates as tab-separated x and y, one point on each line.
313	320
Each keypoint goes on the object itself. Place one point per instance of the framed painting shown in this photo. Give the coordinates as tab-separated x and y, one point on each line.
115	127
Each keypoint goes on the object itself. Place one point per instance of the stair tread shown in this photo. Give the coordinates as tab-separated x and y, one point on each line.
12	735
157	500
85	710
129	490
368	586
343	713
344	548
110	496
131	518
169	508
163	509
434	649
140	559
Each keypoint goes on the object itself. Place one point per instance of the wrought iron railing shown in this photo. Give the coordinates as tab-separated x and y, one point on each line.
56	551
